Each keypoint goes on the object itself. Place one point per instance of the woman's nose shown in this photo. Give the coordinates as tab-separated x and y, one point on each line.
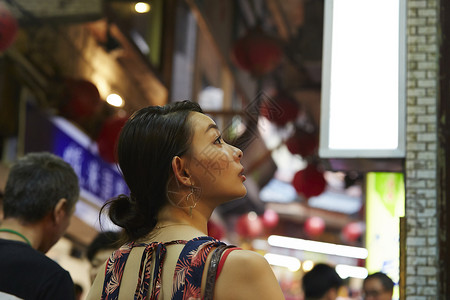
237	153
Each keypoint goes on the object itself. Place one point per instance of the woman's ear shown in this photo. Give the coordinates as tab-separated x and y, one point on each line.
180	171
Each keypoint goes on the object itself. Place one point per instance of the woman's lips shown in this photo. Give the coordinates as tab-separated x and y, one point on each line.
241	175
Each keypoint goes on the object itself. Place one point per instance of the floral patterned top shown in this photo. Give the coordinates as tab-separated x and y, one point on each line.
187	278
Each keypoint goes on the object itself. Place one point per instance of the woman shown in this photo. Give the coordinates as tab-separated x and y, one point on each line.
178	170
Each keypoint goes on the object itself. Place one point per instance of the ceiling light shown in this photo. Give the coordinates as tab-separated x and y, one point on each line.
307	265
115	100
292	263
318	247
142	7
252	216
345	271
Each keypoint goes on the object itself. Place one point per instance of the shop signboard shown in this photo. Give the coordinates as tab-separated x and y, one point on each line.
363	112
385	204
99	180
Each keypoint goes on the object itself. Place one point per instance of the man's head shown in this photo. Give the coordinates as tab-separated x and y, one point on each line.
100	249
322	282
378	286
41	188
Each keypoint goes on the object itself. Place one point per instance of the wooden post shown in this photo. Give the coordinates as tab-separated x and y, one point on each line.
443	152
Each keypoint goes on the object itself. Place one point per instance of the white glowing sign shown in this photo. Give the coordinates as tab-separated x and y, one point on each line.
363	79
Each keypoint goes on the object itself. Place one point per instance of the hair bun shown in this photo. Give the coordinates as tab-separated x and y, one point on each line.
120	210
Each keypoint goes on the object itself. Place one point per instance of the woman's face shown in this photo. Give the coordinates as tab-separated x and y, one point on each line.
215	166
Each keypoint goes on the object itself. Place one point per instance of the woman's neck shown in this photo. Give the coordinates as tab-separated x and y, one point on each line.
172	216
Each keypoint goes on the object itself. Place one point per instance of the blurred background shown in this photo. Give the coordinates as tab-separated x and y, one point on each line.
268	72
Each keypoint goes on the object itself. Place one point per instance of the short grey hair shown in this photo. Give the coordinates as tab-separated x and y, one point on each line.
36	183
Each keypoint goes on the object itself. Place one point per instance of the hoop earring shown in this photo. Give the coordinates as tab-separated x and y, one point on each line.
189	201
191	197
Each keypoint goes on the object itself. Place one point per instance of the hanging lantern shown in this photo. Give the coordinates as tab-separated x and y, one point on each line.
281	110
8	27
249	225
257	52
302	143
309	182
81	100
108	137
314	226
270	218
352	231
215	230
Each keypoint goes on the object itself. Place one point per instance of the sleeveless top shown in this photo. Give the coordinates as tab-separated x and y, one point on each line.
187	278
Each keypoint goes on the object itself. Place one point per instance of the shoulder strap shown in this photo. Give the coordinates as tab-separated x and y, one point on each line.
190	267
223	259
212	271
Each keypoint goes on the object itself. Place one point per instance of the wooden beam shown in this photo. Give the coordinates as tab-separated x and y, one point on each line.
299	212
280	19
206	30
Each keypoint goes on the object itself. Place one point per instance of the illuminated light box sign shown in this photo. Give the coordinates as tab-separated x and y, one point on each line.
363	79
385	204
99	180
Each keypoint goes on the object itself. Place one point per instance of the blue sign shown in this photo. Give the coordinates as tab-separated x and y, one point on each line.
99	180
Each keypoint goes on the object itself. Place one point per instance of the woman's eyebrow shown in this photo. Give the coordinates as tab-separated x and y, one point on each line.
212	125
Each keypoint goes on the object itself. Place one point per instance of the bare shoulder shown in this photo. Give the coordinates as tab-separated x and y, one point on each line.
247	275
252	260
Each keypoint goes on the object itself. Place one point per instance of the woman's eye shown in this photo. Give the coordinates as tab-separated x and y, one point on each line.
218	140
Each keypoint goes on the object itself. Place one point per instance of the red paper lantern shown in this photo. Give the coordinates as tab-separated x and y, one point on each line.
215	230
249	225
8	27
303	143
309	182
281	110
108	137
81	100
314	226
257	52
270	218
352	231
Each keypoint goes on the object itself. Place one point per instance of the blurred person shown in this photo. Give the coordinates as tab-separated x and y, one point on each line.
178	169
39	200
78	290
100	249
378	286
321	283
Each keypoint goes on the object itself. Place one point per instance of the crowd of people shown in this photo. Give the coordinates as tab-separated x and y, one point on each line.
178	169
322	282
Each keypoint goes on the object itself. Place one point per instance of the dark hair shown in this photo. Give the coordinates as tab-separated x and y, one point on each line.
386	282
149	140
103	240
36	183
320	280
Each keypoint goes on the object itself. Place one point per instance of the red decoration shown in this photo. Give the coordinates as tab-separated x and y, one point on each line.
270	218
81	100
249	225
257	52
281	110
314	226
215	230
8	27
108	137
309	182
303	143
352	231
